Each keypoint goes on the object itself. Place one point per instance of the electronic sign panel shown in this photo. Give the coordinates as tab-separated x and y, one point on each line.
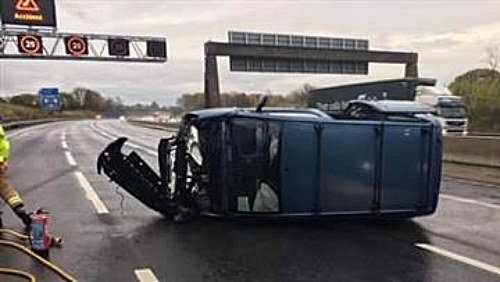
118	47
156	49
76	45
28	12
24	43
30	44
300	41
297	66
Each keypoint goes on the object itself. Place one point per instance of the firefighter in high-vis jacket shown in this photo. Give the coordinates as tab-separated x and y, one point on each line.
7	192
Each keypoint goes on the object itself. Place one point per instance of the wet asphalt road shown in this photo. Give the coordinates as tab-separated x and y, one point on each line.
110	247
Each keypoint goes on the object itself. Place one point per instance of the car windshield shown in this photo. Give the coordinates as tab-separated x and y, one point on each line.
452	112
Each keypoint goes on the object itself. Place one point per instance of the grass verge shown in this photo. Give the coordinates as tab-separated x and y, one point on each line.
14	112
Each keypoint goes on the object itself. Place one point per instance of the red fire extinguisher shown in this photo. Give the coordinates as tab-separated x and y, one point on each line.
40	239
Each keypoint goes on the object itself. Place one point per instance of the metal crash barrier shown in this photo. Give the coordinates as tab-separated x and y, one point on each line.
8	125
472	150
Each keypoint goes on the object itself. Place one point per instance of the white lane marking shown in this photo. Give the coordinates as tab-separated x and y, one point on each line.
64	144
145	275
460	258
70	159
84	183
469	201
91	194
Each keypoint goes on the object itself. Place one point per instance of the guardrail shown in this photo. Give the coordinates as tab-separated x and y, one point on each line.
478	150
23	123
472	150
488	134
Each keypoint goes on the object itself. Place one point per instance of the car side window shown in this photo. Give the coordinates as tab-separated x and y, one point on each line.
363	112
248	136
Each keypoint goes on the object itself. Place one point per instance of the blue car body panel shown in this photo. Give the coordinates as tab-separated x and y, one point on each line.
348	167
299	166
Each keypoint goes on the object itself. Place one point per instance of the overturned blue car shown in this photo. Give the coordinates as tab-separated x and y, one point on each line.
376	159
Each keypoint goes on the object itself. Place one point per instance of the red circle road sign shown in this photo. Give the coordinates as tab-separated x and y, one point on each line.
76	45
29	44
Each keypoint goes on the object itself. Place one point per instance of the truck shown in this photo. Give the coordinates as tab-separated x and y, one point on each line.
379	159
450	109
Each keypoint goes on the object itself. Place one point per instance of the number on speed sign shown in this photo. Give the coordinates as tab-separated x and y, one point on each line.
76	45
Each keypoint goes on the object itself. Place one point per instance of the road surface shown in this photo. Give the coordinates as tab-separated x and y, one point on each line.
110	236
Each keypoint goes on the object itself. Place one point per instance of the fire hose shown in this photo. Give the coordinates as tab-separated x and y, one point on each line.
43	261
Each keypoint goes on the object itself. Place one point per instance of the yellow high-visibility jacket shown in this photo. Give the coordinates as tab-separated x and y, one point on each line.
8	193
4	146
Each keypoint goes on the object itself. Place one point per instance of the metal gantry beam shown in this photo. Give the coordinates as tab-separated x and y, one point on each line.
299	53
53	46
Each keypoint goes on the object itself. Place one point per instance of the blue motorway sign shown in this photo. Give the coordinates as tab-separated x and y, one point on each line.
49	99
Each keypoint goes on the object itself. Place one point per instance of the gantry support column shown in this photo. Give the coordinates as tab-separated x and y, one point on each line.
212	94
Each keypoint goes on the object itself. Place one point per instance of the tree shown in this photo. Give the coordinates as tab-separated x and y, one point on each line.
154	106
79	94
89	99
94	102
492	58
27	100
69	101
480	89
298	98
175	110
191	102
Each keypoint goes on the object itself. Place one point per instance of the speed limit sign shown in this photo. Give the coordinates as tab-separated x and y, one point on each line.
76	45
29	44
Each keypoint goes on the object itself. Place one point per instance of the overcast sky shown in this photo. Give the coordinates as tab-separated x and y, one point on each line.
451	37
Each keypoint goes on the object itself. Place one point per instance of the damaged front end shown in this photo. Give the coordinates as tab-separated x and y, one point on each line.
175	190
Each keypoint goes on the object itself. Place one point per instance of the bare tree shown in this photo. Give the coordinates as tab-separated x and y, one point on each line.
492	57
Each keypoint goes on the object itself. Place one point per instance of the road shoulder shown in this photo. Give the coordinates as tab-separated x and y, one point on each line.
472	173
